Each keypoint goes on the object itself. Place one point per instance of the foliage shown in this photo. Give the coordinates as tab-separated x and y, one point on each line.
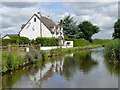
5	42
42	54
47	41
78	42
87	29
20	40
33	56
15	40
101	41
116	33
12	60
69	26
112	50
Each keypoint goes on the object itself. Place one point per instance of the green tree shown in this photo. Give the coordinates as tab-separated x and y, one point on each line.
69	26
87	30
116	33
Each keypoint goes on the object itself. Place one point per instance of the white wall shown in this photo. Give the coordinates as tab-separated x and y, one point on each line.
45	31
29	32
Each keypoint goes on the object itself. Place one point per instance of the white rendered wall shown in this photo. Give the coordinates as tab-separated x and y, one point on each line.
28	32
45	31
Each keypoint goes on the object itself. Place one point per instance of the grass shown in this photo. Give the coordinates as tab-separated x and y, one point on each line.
15	59
112	51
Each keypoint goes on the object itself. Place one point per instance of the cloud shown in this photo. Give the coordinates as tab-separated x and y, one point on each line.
102	14
19	4
119	10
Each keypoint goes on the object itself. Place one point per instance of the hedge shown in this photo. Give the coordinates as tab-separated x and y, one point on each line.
47	41
101	41
15	40
78	42
5	42
20	40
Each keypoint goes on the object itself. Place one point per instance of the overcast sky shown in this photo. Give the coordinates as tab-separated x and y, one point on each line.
103	14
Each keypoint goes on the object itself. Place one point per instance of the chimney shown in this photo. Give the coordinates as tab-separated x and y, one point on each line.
48	17
54	27
61	28
58	27
39	14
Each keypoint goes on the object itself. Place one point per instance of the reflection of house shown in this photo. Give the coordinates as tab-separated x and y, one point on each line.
46	72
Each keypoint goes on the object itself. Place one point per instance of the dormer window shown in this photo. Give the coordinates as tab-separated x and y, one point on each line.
34	19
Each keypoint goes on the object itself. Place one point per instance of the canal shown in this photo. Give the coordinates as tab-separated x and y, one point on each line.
83	69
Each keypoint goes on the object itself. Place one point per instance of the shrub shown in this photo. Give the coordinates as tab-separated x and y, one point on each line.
112	50
47	41
5	42
20	40
15	40
10	61
42	54
78	42
33	56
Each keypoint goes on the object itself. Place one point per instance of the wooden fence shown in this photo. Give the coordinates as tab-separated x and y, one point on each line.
25	47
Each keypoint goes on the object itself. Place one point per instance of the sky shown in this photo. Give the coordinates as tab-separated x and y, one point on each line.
100	13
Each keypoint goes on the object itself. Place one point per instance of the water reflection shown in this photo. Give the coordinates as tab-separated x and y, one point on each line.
79	69
114	69
80	61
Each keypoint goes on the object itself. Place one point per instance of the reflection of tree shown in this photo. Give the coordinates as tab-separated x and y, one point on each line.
113	68
80	61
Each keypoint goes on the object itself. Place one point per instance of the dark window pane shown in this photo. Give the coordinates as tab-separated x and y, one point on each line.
34	19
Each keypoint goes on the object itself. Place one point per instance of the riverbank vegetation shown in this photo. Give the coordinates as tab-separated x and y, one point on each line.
112	51
14	59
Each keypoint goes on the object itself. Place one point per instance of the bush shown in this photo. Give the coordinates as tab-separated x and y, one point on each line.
33	56
10	61
78	42
15	40
112	50
20	40
42	54
47	41
5	42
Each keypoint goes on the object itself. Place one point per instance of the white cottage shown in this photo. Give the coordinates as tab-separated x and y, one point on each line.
39	26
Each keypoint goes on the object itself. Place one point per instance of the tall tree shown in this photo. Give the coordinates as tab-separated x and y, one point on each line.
69	26
87	29
116	33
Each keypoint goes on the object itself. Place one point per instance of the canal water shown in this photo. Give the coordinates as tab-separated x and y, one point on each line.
83	69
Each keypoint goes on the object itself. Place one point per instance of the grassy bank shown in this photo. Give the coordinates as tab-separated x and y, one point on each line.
15	59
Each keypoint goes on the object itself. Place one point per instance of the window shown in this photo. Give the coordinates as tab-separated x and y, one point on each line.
34	19
28	25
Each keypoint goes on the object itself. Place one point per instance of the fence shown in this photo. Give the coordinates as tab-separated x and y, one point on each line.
10	47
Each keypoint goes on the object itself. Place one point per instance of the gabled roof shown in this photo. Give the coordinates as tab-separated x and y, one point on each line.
10	35
46	21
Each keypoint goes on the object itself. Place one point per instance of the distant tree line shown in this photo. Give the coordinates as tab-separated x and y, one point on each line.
83	30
